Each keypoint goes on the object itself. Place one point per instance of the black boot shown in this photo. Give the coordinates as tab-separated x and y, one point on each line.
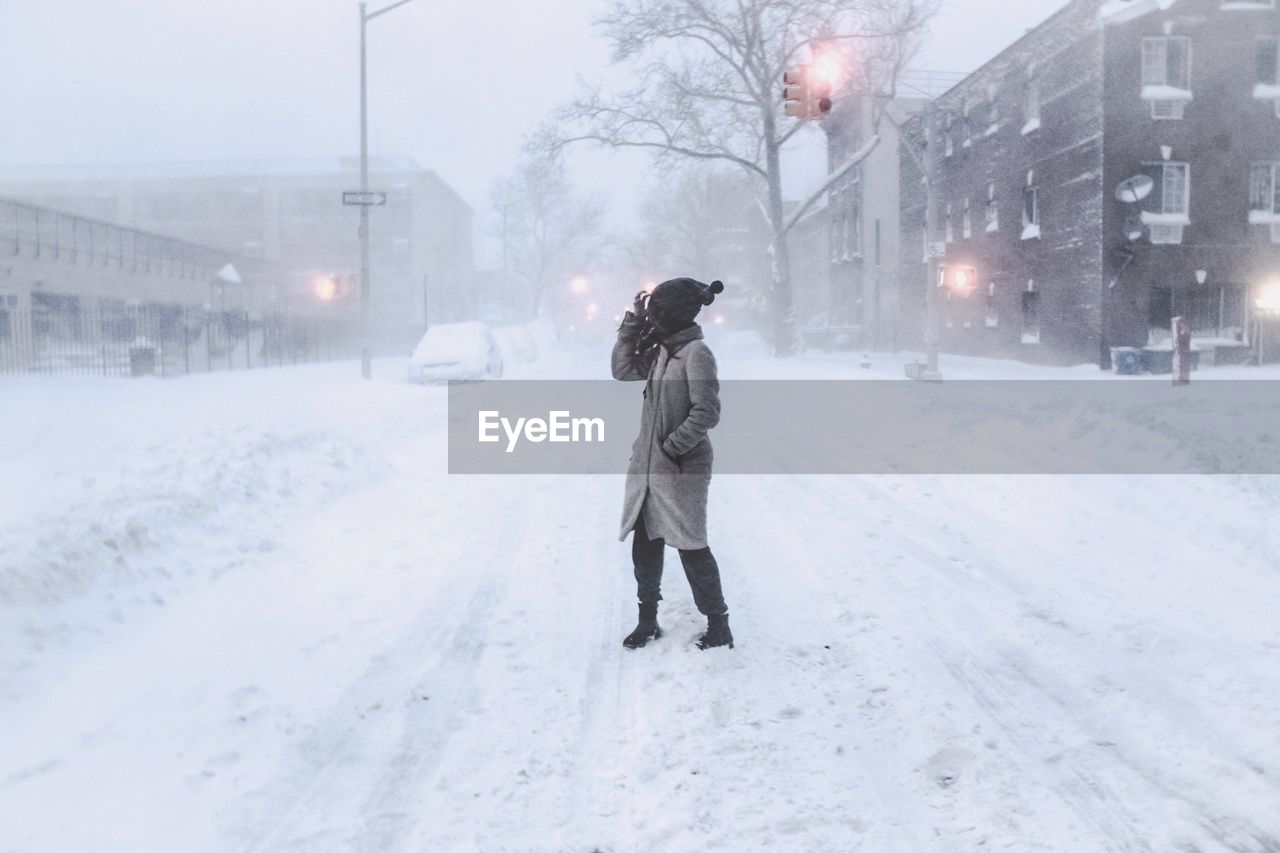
718	633
646	629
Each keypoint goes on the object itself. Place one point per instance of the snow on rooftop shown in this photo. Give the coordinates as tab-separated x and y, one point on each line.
1120	11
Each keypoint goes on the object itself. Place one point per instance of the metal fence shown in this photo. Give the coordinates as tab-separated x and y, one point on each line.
106	338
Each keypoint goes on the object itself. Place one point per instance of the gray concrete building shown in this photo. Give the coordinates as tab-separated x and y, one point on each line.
289	214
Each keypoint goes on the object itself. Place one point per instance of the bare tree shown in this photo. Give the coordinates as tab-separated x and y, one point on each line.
710	90
547	229
694	222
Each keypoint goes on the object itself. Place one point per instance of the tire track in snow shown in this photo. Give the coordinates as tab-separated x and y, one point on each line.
344	741
1092	797
787	584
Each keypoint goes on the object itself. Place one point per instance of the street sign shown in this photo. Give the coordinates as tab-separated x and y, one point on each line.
364	199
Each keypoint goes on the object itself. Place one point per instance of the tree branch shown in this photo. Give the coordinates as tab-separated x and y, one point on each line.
858	156
664	146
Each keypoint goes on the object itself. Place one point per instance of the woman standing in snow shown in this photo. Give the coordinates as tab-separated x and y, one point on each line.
670	471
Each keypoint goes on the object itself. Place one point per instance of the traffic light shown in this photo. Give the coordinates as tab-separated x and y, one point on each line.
332	287
960	279
824	74
795	93
807	91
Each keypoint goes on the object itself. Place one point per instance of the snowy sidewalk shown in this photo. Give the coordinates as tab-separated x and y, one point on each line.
317	640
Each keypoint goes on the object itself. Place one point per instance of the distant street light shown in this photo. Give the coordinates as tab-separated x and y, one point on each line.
1268	300
578	284
1268	308
326	288
366	362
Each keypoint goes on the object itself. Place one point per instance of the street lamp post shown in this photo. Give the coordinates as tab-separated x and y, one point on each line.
366	364
930	230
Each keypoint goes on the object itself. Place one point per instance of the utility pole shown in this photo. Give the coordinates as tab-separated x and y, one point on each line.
930	229
366	362
366	359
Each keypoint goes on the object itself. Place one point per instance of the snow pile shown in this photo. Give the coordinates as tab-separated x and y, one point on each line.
121	493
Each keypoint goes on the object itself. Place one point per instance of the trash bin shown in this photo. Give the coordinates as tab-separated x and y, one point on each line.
1157	360
1126	361
142	361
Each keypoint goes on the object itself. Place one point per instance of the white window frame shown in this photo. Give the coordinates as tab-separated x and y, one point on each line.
949	232
1167	99
1032	335
1031	106
993	209
966	221
1030	223
993	110
1268	212
1269	89
1165	225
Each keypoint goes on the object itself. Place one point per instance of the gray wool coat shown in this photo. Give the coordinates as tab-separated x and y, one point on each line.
670	470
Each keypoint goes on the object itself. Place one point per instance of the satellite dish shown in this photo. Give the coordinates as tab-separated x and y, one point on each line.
1134	227
1135	189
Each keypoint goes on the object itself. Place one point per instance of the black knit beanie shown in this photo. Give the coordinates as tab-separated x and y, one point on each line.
675	302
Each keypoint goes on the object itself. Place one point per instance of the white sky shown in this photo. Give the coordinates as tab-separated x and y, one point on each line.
455	84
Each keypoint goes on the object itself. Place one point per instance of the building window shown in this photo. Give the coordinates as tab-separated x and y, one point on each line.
993	210
1030	213
1031	106
1264	197
1166	75
993	109
991	317
948	229
1211	311
948	136
1268	55
1167	210
966	124
966	221
1267	87
1031	317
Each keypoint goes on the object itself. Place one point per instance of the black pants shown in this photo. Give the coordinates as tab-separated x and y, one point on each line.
699	567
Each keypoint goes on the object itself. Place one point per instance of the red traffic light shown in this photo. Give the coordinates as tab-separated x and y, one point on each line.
960	279
332	287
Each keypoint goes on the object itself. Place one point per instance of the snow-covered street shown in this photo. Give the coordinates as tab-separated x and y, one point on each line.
253	612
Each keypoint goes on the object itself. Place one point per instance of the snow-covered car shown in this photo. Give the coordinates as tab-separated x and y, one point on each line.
456	351
517	344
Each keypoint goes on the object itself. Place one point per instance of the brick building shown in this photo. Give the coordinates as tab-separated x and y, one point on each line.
1175	99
